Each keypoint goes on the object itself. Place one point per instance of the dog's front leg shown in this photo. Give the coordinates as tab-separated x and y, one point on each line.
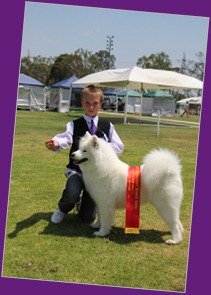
106	216
96	224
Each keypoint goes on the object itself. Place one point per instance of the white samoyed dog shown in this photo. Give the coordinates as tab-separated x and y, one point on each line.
105	178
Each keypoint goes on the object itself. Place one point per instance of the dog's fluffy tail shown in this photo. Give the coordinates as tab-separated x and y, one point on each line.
158	164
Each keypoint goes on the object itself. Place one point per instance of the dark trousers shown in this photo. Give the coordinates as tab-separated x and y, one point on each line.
185	112
71	195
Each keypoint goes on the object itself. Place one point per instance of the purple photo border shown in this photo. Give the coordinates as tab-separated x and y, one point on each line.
11	20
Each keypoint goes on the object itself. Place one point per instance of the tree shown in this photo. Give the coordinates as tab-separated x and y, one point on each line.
196	68
155	61
94	62
37	67
184	66
86	65
103	57
66	65
26	66
80	63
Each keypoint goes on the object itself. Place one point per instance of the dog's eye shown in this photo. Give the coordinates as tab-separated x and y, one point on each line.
84	151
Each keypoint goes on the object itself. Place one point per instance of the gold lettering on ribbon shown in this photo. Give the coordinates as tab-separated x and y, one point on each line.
133	200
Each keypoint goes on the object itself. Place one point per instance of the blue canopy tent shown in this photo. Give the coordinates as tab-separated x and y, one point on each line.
31	94
27	80
65	95
112	91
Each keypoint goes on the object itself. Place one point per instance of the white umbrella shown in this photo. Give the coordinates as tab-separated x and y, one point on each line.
138	78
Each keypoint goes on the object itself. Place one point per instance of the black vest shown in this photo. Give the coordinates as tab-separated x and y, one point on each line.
80	128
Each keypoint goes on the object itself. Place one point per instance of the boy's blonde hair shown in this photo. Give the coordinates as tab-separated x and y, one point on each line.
90	89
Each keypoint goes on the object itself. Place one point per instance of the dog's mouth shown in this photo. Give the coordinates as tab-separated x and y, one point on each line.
78	162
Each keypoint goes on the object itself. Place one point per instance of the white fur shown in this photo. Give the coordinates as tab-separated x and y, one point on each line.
105	177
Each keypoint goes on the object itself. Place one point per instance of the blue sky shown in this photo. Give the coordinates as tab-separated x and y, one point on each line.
51	29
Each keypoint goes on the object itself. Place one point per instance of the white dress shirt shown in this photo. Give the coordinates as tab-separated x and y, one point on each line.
65	139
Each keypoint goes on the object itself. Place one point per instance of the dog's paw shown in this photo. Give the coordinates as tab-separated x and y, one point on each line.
172	242
100	233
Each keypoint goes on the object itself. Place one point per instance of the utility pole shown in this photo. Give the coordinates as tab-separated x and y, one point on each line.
29	56
109	47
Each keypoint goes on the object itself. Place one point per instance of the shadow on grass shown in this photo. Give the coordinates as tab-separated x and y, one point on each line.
72	226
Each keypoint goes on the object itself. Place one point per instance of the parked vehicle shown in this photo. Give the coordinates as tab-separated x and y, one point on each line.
109	103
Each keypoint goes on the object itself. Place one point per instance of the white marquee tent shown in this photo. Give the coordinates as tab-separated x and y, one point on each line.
64	94
31	94
194	104
143	79
191	100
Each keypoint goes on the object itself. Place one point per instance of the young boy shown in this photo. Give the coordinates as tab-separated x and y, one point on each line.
92	99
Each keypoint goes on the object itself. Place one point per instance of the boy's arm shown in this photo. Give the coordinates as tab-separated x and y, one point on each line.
52	144
116	141
61	141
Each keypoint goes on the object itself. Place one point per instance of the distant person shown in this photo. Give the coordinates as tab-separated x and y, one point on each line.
186	109
92	99
198	110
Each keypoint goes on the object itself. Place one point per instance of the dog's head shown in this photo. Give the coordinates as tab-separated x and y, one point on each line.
87	149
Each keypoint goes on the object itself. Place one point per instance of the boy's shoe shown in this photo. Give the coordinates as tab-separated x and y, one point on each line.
57	216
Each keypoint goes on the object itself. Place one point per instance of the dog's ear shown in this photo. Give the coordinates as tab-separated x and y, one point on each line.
87	134
95	141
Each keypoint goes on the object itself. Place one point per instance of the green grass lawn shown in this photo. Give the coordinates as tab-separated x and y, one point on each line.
37	249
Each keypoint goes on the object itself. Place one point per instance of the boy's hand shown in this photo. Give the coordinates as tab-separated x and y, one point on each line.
51	144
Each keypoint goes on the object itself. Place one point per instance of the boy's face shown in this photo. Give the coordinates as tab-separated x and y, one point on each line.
91	104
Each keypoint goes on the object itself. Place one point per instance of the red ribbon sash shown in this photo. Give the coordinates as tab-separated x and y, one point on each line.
132	217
